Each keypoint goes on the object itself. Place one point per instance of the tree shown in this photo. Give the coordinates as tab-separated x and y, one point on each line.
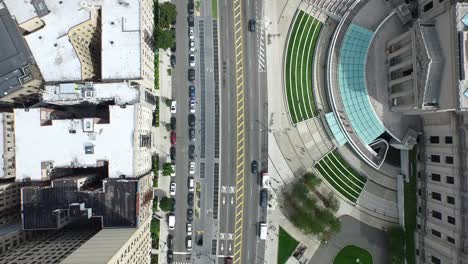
168	102
167	169
166	204
165	38
332	202
396	244
167	14
311	180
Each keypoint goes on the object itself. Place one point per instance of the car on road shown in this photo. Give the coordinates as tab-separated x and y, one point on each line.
170	256
189	215
191	75
192	134
189	229
172	188
192	106
190	199
190	7
191	184
264	198
173	170
173	61
173	123
254	167
192	167
191	21
192	45
191	152
252	25
172	153
171	220
169	241
191	120
192	60
173	107
189	243
173	137
191	34
192	92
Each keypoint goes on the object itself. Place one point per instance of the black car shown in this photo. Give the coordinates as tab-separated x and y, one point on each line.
191	120
190	7
173	123
173	61
191	152
170	240
172	153
170	256
191	21
191	75
190	199
254	167
192	92
189	215
192	134
264	198
252	25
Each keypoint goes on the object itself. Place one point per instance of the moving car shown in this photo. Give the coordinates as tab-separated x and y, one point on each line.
191	120
192	106
189	215
172	188
252	25
189	229
171	221
264	198
173	137
191	75
173	107
173	61
254	167
173	170
173	123
191	184
192	134
191	152
192	167
192	45
192	92
190	199
192	60
172	153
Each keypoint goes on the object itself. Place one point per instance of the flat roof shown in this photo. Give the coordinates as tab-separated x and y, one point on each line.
72	93
22	11
51	46
121	40
112	142
14	54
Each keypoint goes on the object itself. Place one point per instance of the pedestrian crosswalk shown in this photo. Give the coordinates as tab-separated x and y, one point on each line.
261	48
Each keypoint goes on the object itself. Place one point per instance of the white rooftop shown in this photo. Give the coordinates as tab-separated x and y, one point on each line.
21	10
112	142
121	39
72	93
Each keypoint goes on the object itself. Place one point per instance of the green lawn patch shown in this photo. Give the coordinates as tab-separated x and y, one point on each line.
286	246
351	254
410	209
214	9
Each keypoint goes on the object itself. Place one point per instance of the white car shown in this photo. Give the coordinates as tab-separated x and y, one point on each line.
189	244
192	45
191	184
192	106
192	60
189	229
191	34
192	167
173	107
173	170
173	188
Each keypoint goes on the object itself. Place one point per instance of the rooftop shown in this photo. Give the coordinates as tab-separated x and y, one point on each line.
14	55
121	39
83	142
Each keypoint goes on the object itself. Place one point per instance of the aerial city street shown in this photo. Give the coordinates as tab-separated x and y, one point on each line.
234	131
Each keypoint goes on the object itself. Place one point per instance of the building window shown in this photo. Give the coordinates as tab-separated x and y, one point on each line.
451	220
436	196
436	233
428	6
448	140
437	215
434	140
450	180
450	200
435	177
449	160
435	158
451	239
435	260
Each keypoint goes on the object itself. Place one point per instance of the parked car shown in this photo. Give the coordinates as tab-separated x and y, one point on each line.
189	243
192	60
173	170
189	215
172	188
192	45
264	198
254	167
191	184
192	106
190	199
191	21
192	167
190	7
173	107
173	137
192	134
191	120
173	61
172	153
228	260
191	152
252	25
192	92
169	241
191	75
173	123
170	256
189	229
191	34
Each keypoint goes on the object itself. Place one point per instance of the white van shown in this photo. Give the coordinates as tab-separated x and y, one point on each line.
263	231
189	244
191	184
265	180
171	221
